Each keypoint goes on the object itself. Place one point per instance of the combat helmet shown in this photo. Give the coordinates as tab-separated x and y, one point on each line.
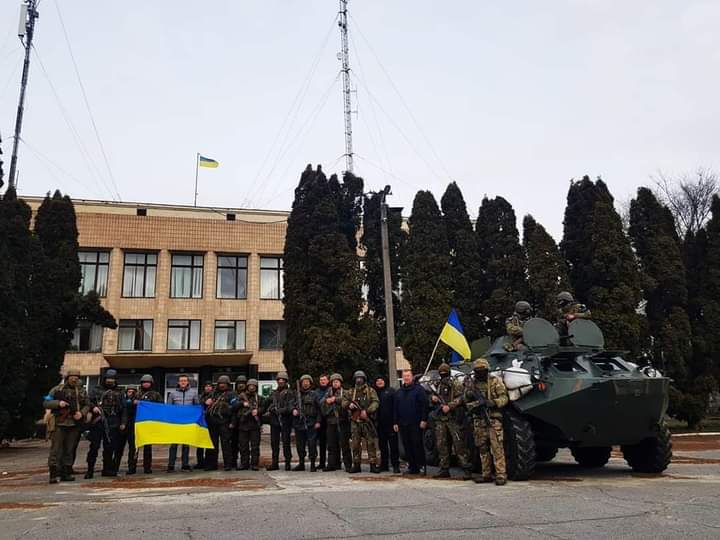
281	375
110	374
565	298
523	308
306	377
359	373
223	379
147	378
72	372
444	368
252	382
336	377
241	379
481	363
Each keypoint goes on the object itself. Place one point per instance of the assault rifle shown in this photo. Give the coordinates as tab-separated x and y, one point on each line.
481	405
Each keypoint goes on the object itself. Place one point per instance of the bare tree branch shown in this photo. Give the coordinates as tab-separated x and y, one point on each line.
688	196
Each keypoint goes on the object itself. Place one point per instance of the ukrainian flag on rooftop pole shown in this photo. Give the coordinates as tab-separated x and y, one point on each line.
454	337
157	423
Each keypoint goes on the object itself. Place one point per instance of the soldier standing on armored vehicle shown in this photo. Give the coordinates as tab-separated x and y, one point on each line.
514	325
484	396
447	398
69	403
568	311
362	402
146	393
306	422
220	414
108	422
338	428
279	406
248	427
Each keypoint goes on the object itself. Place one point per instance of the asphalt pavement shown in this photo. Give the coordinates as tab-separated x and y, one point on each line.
562	501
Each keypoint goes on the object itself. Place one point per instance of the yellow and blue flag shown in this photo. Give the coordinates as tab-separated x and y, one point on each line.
454	337
207	162
157	423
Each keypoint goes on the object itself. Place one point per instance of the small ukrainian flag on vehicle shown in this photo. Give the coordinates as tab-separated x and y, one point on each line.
207	162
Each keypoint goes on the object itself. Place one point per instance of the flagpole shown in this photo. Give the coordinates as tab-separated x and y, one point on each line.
197	163
432	356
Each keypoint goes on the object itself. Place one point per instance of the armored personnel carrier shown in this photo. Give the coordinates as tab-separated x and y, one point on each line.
571	392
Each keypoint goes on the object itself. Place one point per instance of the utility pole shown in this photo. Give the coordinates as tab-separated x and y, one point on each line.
388	290
28	15
347	97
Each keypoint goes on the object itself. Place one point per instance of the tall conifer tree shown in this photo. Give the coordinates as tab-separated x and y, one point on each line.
426	282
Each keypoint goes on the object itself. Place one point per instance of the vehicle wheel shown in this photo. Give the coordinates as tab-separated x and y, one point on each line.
651	455
545	453
519	446
592	456
431	453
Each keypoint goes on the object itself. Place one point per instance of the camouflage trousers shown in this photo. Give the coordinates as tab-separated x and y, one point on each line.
63	446
448	435
358	432
489	440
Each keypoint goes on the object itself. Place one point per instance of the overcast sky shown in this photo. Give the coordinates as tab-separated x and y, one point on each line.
507	98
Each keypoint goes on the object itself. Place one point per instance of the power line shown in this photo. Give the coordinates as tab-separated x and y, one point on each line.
87	103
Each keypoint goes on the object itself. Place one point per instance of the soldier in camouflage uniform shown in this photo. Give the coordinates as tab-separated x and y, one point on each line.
362	402
568	311
240	386
207	391
220	414
127	436
338	426
248	426
515	323
278	406
108	422
145	393
447	397
484	396
306	422
69	403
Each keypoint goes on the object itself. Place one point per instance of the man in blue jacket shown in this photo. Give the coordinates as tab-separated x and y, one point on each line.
411	413
183	395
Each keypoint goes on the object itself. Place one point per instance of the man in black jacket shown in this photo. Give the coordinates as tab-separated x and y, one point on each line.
387	438
411	412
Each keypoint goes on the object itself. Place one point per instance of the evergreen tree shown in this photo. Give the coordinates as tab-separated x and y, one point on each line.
322	282
426	282
603	269
547	272
15	272
465	263
504	279
657	246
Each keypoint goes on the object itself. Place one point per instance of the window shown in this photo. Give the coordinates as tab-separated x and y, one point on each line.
186	279
183	335
272	335
271	278
94	270
139	275
232	277
87	337
135	335
229	335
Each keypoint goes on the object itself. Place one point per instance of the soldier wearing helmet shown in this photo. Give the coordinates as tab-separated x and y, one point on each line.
146	392
248	426
515	323
108	421
338	425
569	310
278	406
69	404
240	385
306	422
483	397
447	397
221	410
362	402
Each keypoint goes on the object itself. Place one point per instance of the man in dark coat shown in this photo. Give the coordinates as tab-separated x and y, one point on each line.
411	412
387	438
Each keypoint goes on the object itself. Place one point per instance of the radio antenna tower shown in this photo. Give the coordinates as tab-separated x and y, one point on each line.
347	97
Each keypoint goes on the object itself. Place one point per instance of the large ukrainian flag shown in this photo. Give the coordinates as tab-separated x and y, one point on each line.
157	423
453	336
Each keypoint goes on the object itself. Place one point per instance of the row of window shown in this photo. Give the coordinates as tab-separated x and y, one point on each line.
136	335
186	275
